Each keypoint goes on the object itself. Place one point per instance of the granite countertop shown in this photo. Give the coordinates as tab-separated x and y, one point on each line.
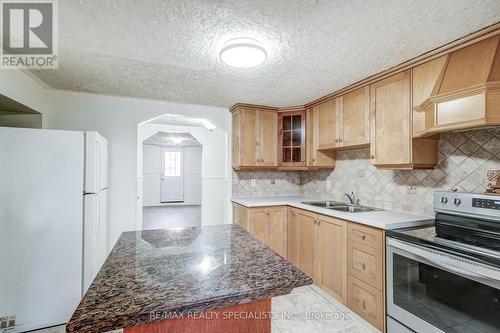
161	274
383	219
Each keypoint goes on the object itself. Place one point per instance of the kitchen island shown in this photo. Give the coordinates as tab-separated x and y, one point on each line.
205	279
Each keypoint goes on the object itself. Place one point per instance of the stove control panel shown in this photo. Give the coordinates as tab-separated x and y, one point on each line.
467	203
486	203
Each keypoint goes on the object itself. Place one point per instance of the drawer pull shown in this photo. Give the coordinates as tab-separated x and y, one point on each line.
363	237
363	304
363	265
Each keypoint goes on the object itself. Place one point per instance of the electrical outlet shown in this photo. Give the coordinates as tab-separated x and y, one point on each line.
492	175
361	173
7	322
252	182
412	189
328	184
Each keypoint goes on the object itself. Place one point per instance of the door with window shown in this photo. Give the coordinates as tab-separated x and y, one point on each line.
172	178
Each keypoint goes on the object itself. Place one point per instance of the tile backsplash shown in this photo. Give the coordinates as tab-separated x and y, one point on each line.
464	158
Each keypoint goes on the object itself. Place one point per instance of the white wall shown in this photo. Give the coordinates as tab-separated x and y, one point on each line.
151	175
215	184
152	170
116	118
192	175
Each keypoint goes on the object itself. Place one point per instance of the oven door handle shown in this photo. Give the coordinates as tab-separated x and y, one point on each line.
473	271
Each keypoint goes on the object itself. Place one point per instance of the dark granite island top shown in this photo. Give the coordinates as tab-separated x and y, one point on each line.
160	274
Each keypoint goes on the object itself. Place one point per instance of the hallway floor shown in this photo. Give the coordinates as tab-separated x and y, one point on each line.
162	217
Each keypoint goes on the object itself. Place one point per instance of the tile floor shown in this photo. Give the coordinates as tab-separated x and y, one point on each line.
305	310
171	216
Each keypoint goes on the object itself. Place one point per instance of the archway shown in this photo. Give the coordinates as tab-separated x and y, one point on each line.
215	189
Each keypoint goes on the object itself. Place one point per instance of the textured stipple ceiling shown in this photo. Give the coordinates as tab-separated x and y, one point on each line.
168	49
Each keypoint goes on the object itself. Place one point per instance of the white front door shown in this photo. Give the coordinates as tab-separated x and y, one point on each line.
172	178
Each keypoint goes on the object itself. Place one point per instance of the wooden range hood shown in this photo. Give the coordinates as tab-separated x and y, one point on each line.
459	90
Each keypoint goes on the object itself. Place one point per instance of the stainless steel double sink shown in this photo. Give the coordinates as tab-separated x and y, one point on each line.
340	206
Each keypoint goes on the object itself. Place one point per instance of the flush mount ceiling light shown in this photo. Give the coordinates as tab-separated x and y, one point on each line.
243	53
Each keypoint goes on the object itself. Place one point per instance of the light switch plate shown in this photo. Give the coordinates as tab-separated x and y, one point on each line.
252	182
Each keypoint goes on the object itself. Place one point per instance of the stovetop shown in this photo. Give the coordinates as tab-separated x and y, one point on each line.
466	224
472	239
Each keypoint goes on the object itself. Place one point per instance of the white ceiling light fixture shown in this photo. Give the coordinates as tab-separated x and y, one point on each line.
243	53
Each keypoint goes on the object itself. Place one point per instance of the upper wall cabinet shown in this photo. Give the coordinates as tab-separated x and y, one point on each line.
392	146
458	91
254	138
292	139
321	131
343	122
354	118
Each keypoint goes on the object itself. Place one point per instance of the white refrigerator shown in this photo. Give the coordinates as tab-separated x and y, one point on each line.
53	223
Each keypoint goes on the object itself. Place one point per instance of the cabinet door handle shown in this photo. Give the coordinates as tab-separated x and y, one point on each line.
363	304
340	140
363	265
363	237
371	157
336	140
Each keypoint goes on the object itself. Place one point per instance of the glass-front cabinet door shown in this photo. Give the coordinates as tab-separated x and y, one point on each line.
292	139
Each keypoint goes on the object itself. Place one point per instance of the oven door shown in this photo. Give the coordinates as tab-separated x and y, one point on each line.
431	291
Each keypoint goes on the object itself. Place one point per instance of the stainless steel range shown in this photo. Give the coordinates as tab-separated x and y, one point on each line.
445	277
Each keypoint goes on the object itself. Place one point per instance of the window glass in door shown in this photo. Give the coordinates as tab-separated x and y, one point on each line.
172	180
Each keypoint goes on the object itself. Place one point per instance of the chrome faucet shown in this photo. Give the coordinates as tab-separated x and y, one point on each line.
352	198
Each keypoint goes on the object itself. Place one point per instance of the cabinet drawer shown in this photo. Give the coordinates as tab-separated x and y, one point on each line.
371	237
366	264
367	302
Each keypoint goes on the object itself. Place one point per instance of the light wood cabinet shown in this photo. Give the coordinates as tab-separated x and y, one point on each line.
366	301
331	256
354	118
240	216
365	235
278	229
345	259
292	139
259	224
269	225
321	130
291	231
317	245
366	264
366	273
305	231
392	146
254	138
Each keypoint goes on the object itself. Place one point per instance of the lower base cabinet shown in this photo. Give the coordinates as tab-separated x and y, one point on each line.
367	302
345	259
317	245
269	225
